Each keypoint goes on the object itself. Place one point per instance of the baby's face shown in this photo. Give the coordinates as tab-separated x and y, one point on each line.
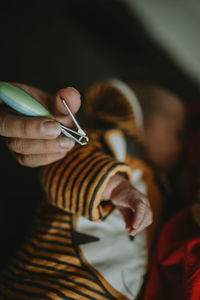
163	136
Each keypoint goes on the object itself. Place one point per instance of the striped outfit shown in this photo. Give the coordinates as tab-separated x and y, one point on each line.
78	247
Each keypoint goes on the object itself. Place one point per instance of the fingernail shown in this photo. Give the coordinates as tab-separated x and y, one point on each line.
132	234
50	128
66	142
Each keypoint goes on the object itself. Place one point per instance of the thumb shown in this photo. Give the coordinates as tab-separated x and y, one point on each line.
57	108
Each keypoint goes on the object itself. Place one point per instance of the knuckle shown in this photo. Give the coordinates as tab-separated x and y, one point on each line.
3	125
50	147
26	127
30	128
53	145
16	145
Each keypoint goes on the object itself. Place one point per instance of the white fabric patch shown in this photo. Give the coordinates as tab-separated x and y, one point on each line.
120	260
118	146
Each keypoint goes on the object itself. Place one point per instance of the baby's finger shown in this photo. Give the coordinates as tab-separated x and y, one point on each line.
147	220
37	160
35	146
127	216
139	210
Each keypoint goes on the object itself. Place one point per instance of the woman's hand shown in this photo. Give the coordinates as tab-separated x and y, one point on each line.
36	141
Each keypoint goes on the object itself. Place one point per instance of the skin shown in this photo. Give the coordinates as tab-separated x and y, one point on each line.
163	132
132	204
37	141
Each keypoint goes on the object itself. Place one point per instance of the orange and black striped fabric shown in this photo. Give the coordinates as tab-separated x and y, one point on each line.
77	183
49	264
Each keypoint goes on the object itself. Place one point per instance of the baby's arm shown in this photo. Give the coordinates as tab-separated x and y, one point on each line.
133	205
87	175
76	183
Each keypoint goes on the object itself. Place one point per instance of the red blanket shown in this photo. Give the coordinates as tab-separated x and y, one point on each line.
175	273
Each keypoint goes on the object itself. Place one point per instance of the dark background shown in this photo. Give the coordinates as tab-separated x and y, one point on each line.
70	43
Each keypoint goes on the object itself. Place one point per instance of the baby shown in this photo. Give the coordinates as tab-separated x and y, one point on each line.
159	114
78	247
175	272
164	123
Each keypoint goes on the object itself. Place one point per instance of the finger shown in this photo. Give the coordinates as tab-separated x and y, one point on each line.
37	160
53	103
139	209
73	100
147	217
139	203
147	220
13	125
35	146
127	216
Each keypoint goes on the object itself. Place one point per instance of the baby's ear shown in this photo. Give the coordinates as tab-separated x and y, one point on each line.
106	106
116	142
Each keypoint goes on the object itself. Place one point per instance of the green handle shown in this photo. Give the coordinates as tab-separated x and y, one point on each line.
21	101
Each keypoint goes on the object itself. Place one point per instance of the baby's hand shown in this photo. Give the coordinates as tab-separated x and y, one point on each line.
133	205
